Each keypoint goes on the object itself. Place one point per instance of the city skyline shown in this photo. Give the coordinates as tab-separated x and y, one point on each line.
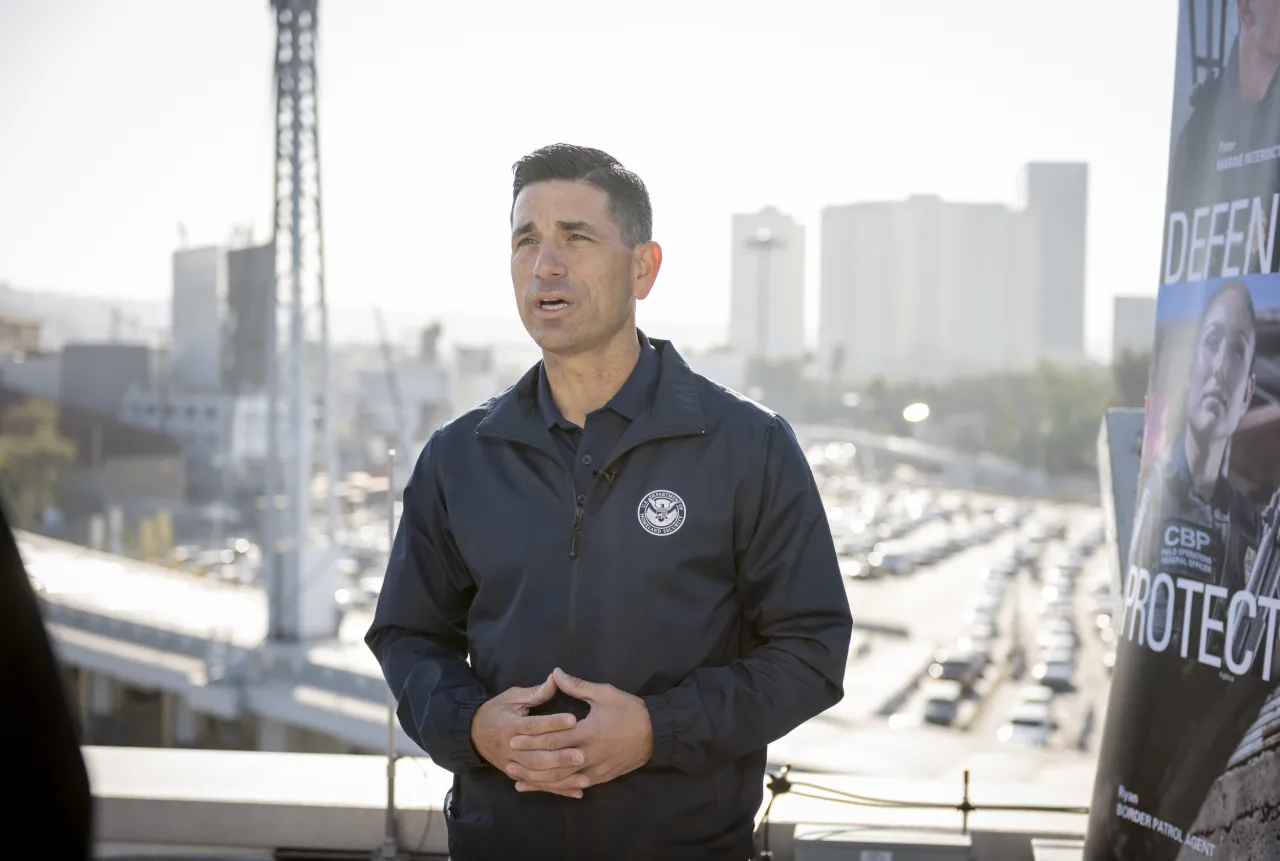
924	288
108	222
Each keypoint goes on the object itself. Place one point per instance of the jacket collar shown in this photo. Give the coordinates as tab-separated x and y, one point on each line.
674	410
631	400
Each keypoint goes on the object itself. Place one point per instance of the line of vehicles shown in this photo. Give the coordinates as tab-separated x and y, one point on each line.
1033	644
882	528
1058	644
890	529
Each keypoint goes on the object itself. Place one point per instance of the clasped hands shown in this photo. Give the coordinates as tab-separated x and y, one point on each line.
558	753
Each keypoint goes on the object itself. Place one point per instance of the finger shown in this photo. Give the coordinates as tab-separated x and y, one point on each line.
563	778
542	760
556	740
540	724
576	782
578	688
537	695
567	793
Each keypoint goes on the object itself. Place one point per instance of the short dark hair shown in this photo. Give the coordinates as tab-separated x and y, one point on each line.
628	198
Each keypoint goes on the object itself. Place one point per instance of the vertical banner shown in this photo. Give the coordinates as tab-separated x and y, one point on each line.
1190	759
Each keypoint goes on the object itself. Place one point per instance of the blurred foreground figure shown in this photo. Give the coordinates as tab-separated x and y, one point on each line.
45	785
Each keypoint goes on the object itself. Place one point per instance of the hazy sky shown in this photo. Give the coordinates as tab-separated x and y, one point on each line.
121	118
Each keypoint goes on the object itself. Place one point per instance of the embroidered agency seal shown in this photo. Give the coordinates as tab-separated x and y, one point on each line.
661	512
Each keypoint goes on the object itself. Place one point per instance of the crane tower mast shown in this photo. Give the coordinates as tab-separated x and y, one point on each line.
296	378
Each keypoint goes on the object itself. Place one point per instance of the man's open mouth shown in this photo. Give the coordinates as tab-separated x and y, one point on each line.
552	304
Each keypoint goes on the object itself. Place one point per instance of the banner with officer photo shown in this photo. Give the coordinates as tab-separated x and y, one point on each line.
1190	759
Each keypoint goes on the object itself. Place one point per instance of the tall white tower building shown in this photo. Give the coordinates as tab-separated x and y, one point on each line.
199	297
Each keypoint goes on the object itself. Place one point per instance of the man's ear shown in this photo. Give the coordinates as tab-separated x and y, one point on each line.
645	263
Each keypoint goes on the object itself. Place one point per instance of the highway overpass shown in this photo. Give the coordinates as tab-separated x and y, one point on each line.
201	643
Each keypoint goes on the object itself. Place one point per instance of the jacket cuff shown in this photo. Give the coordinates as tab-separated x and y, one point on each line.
663	721
464	752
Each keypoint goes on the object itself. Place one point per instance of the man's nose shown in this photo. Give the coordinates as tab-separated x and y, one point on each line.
549	266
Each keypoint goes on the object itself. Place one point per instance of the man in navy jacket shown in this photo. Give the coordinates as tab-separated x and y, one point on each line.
614	584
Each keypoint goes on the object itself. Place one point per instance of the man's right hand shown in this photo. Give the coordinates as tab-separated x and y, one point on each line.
507	715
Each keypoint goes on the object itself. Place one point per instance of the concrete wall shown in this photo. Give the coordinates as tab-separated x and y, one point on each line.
215	799
34	374
154	477
96	376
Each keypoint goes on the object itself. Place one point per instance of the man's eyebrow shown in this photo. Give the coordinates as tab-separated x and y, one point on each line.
566	226
577	227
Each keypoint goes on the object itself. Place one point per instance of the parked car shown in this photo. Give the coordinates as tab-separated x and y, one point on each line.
890	563
1055	670
1036	694
1030	723
854	569
983	616
949	666
942	702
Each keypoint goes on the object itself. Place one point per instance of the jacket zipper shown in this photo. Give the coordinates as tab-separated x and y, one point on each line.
575	575
577	528
575	568
574	578
579	510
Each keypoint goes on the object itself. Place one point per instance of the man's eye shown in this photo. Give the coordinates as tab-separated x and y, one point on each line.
576	236
524	240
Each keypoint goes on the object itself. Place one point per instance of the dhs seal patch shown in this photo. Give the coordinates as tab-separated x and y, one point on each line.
661	512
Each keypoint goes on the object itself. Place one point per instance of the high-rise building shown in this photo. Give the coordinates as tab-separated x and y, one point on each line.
766	310
1133	324
201	423
1055	199
921	289
96	377
931	289
250	314
199	297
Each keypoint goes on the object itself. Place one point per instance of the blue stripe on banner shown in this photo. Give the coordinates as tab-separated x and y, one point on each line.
1185	300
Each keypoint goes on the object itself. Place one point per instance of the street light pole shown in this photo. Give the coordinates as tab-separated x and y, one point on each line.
1044	429
762	242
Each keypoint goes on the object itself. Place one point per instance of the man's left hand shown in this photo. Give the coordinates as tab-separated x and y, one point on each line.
616	738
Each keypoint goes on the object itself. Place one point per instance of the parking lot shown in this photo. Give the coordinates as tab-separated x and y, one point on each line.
977	642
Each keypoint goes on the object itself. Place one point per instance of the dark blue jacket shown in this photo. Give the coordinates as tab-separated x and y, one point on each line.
724	610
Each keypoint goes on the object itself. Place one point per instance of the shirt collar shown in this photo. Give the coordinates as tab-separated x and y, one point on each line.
632	399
